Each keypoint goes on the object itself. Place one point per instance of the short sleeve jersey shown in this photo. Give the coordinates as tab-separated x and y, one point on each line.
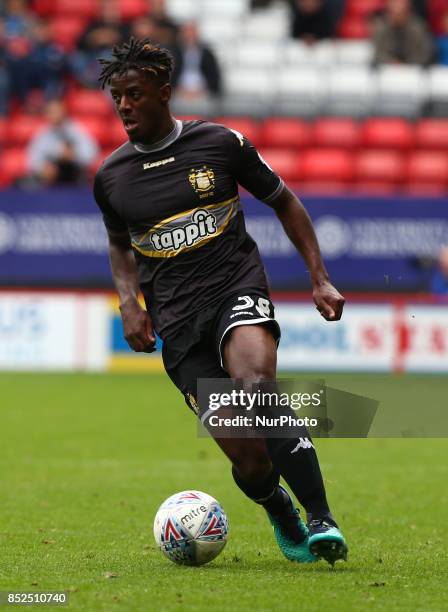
179	202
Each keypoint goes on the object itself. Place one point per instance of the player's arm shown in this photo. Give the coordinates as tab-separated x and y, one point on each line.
253	173
299	228
137	324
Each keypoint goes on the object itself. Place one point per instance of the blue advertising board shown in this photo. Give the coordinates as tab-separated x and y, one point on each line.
56	238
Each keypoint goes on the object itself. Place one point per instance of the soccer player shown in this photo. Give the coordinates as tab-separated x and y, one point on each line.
170	204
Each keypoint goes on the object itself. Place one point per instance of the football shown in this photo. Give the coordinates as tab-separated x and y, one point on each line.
191	528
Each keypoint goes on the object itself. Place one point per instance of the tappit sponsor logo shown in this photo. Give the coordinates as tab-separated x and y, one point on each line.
202	225
157	164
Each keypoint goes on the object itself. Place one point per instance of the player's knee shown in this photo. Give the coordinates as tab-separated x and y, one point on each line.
254	374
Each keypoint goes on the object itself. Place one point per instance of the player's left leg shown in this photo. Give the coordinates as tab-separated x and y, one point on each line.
250	353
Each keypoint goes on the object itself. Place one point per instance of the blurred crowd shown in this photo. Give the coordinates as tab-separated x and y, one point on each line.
36	69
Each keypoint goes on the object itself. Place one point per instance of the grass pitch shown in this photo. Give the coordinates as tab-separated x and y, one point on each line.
85	461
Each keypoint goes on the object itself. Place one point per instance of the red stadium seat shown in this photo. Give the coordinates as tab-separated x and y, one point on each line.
96	127
87	9
291	133
89	102
380	167
66	30
388	134
326	165
13	166
248	127
22	128
432	134
131	9
354	28
116	135
363	7
284	162
428	167
436	11
334	132
3	124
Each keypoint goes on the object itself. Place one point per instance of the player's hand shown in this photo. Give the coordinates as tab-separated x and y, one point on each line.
138	329
329	302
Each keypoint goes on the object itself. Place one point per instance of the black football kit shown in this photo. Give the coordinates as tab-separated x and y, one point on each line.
199	270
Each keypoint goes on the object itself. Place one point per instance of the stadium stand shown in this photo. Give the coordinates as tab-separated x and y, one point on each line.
321	113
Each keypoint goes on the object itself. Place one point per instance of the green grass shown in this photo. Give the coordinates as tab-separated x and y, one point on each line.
85	462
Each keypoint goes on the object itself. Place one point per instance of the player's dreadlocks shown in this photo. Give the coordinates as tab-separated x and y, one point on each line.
137	55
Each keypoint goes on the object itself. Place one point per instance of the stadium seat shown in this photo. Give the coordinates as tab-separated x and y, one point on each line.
283	161
248	127
354	27
353	52
13	166
432	134
301	91
352	91
327	165
131	9
66	30
266	26
116	133
402	90
219	33
181	10
82	8
3	126
296	53
388	133
257	54
292	133
234	8
436	12
244	81
363	8
380	167
96	127
22	128
89	102
336	132
428	167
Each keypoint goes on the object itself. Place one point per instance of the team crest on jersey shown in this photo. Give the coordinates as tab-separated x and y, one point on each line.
202	180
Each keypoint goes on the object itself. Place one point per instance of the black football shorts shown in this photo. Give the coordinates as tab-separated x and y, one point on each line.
195	351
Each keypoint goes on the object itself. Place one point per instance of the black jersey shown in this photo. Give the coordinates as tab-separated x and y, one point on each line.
179	202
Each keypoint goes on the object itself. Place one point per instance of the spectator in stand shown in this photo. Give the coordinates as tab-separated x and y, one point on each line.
62	152
4	76
312	20
48	63
439	283
442	43
17	47
97	41
401	37
159	29
197	74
